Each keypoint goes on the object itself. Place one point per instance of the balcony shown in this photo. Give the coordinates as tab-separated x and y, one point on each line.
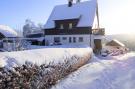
100	31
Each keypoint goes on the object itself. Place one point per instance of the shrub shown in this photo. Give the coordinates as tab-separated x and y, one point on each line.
31	76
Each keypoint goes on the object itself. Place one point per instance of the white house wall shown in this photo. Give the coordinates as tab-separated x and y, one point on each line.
86	39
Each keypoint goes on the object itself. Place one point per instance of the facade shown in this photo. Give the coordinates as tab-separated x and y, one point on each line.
35	38
72	24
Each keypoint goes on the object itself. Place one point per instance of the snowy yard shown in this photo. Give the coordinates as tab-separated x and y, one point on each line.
40	68
109	73
42	55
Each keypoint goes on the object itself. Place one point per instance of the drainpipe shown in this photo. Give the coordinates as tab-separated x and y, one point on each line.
44	38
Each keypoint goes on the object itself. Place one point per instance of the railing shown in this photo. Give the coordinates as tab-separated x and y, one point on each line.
100	31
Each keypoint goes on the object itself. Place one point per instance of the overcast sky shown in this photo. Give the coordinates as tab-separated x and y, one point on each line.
117	16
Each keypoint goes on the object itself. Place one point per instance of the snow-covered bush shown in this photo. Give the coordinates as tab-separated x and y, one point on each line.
32	76
16	45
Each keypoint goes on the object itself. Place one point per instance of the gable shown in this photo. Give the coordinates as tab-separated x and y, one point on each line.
84	10
115	43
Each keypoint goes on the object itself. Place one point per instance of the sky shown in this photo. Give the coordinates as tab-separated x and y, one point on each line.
116	16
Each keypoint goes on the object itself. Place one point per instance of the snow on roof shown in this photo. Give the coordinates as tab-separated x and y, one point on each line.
7	31
115	42
84	10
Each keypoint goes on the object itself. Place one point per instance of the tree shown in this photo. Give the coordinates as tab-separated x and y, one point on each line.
29	27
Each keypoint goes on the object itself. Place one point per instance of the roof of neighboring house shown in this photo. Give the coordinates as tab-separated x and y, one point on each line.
7	31
85	11
115	42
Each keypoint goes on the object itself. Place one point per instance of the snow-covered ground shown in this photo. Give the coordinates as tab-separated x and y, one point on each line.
41	55
109	73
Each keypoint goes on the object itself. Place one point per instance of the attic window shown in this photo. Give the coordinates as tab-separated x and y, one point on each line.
61	26
70	25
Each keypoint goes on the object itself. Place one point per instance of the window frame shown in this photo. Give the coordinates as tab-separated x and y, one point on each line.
61	26
70	39
70	25
80	39
74	39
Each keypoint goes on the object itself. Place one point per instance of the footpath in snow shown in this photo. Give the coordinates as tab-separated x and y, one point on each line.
109	73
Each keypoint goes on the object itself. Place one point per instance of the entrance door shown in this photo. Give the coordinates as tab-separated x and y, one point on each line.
97	45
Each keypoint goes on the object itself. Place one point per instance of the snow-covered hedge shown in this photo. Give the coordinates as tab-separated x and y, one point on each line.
30	75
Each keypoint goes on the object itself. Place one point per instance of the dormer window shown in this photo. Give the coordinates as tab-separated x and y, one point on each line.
61	26
70	25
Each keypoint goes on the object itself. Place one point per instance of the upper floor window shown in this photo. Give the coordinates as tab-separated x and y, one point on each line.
61	26
70	25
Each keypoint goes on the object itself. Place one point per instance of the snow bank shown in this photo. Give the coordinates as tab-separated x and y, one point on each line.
45	55
117	73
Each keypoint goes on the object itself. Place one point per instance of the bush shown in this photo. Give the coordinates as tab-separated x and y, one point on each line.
31	76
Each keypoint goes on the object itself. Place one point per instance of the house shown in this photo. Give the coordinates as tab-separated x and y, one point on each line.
36	38
33	33
7	35
72	23
115	47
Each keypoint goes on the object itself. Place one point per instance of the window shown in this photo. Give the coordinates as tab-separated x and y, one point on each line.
70	39
74	39
80	39
57	39
64	38
61	26
70	25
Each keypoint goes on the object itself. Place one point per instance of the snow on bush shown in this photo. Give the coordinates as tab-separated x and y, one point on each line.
26	74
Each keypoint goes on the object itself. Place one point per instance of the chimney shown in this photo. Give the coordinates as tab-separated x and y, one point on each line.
78	1
70	3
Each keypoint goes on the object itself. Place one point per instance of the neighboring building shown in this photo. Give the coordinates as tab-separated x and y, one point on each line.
115	43
33	33
115	46
7	32
72	24
7	35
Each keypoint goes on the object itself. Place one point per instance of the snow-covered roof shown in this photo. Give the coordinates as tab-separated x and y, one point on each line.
7	31
84	10
115	42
